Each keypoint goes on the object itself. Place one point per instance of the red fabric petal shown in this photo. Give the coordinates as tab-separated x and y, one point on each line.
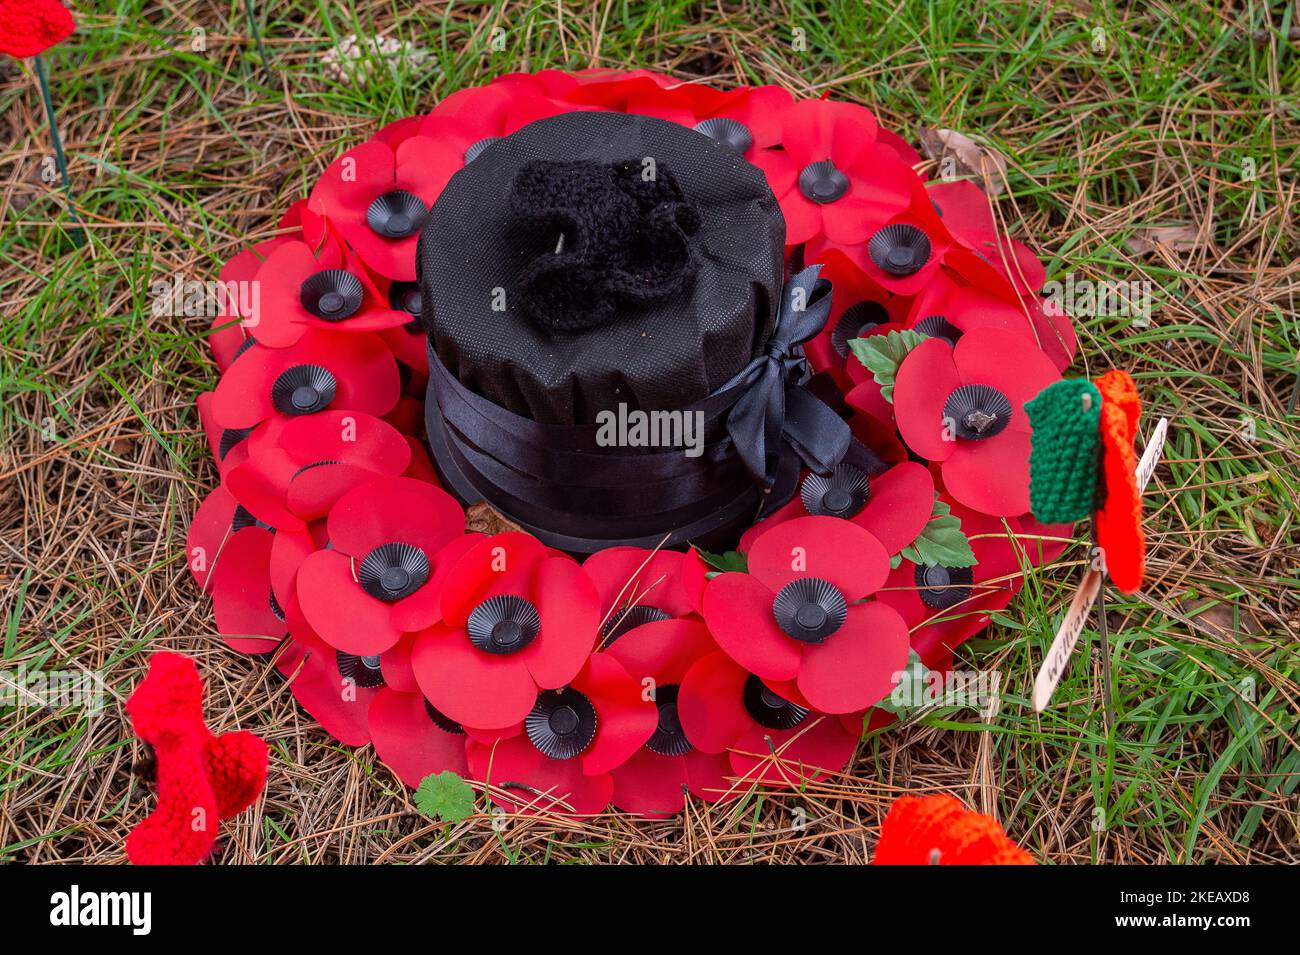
710	703
535	784
925	379
241	592
706	775
991	476
651	785
633	575
817	747
693	577
569	607
345	616
208	532
502	560
900	505
738	611
858	665
1008	361
338	705
409	742
663	650
483	690
395	664
261	484
626	717
789	511
394	509
837	551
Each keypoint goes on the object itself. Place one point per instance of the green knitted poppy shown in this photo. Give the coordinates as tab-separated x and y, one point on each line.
1064	459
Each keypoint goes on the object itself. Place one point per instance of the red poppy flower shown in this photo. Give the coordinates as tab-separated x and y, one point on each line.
724	708
799	615
377	198
636	586
939	830
392	541
218	517
339	703
33	26
573	737
652	781
515	621
323	370
894	506
946	606
903	249
413	739
301	289
834	182
296	469
859	307
964	406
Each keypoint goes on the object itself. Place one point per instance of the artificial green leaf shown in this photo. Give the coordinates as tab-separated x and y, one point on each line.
941	543
882	354
445	796
912	691
733	561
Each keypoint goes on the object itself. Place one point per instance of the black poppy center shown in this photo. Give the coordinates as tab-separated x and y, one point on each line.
303	389
393	571
936	326
730	132
668	738
942	587
361	671
842	493
476	149
809	609
396	215
977	412
770	709
405	297
442	721
503	624
561	725
332	295
856	321
231	437
621	621
821	182
899	249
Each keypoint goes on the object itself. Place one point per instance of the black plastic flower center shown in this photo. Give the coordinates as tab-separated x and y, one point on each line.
856	321
562	724
503	624
476	149
332	295
229	438
899	249
405	297
668	738
303	389
396	215
274	604
936	326
976	412
363	672
842	493
244	518
442	721
629	618
942	587
809	609
393	571
730	132
770	709
821	182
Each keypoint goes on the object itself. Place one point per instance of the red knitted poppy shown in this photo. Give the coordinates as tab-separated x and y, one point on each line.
28	27
930	830
1119	522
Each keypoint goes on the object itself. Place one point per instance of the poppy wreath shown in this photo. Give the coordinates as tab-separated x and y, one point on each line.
635	677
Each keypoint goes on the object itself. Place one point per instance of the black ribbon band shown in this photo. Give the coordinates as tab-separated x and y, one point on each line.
758	429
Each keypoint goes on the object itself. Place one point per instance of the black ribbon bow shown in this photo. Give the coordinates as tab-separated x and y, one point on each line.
775	412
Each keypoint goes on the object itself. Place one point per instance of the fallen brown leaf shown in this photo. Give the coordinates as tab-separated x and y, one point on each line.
1175	238
483	518
983	164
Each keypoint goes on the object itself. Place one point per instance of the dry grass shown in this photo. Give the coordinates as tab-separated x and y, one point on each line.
180	159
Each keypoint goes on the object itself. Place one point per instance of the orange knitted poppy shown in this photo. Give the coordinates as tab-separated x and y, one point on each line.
924	830
1119	522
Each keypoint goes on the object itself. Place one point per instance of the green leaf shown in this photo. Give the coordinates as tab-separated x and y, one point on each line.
733	561
911	692
445	796
941	542
882	354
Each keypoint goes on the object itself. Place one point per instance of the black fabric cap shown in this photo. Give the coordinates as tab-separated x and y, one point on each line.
655	356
